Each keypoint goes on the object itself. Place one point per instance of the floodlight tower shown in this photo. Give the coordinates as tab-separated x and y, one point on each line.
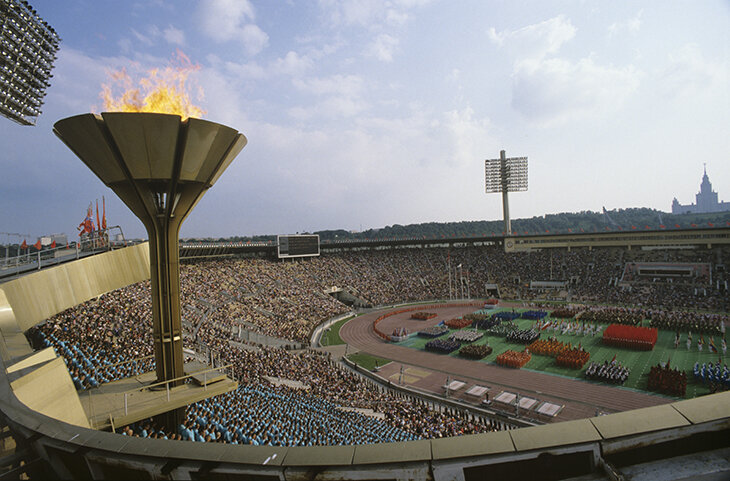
29	47
505	175
160	166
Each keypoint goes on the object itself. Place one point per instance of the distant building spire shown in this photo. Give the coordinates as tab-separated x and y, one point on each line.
706	199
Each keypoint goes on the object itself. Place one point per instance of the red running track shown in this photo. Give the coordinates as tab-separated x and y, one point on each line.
581	398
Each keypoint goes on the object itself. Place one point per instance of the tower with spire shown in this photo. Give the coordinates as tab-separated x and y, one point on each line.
705	200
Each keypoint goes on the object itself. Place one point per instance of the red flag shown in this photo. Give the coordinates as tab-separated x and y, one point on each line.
662	227
711	224
87	226
53	244
37	245
98	224
633	227
647	227
23	245
677	226
570	230
693	225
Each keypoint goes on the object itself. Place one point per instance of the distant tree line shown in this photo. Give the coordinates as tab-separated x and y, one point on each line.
576	222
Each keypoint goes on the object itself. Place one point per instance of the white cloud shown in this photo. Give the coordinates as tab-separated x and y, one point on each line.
368	13
470	138
346	85
690	73
550	90
254	39
246	71
292	64
232	21
341	96
174	36
553	91
148	38
383	47
631	25
537	40
151	36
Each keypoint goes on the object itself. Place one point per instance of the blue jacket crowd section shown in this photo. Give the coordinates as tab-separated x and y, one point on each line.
90	368
717	375
260	415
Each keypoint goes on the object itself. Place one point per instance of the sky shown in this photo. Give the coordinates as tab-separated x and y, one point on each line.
366	113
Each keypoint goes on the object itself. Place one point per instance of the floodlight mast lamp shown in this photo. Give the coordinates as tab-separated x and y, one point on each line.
505	175
160	166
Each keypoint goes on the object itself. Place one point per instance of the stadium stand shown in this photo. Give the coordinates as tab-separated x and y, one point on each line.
101	340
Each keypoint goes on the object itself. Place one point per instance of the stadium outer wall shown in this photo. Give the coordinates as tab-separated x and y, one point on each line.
53	443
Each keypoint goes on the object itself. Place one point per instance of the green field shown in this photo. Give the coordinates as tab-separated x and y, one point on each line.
332	336
367	361
639	362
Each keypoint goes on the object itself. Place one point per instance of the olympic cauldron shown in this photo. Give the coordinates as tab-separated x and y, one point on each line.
160	166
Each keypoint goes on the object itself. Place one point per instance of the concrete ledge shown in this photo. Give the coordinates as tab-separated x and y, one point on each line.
319	456
706	408
550	435
638	421
392	452
498	442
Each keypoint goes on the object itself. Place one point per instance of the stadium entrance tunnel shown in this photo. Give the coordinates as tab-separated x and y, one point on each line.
346	296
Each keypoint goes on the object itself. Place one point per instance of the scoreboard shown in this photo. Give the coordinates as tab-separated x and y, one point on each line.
298	245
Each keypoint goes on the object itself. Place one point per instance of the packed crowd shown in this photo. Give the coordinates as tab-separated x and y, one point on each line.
667	380
684	321
486	323
514	359
458	322
475	351
502	329
433	331
523	336
466	335
630	337
547	347
613	315
609	372
102	340
263	415
564	313
573	328
443	346
716	375
574	358
110	337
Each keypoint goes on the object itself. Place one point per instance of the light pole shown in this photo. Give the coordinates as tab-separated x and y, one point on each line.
505	175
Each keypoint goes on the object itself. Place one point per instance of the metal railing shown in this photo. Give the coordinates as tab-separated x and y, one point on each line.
30	258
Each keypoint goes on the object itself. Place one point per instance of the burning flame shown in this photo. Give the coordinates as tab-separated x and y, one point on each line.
161	91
